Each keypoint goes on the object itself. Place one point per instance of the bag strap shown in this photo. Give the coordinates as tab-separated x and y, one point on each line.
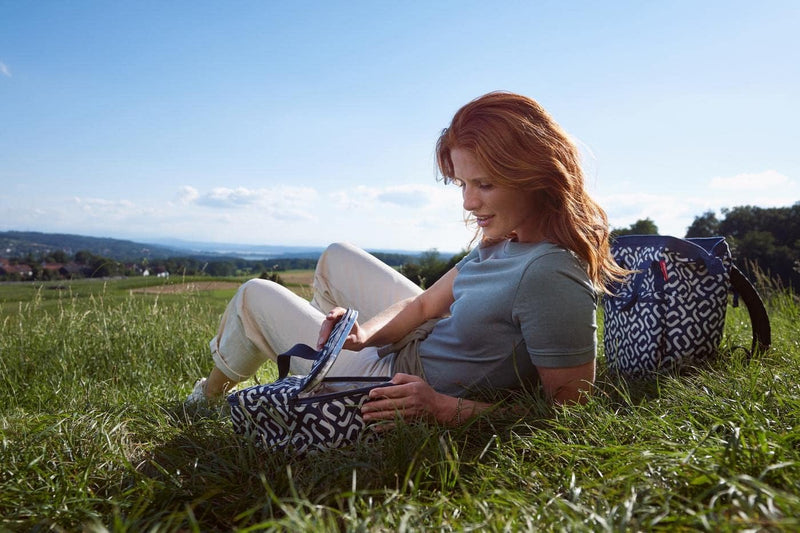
694	251
699	250
303	351
759	320
636	286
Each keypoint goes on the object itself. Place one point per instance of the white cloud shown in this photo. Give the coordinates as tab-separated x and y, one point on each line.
360	198
277	199
4	70
230	198
412	196
406	196
672	214
250	208
763	189
101	206
280	215
750	182
411	217
187	194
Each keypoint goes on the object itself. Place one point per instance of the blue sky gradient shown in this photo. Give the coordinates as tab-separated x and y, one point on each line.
265	123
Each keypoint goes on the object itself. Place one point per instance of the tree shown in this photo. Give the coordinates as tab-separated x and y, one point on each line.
426	270
429	267
60	256
640	227
221	269
412	272
102	267
83	257
273	276
767	238
705	225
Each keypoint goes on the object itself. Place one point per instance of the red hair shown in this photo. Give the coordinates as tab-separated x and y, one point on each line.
520	146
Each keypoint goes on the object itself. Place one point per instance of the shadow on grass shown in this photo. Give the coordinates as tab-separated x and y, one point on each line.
622	392
206	475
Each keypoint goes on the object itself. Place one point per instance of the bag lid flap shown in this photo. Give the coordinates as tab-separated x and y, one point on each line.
327	355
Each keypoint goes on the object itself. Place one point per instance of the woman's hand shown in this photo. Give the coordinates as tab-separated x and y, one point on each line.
409	397
356	339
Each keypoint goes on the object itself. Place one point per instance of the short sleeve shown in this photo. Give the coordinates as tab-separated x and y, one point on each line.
467	258
555	307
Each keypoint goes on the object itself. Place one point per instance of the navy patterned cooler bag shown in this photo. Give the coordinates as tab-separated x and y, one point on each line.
670	313
301	414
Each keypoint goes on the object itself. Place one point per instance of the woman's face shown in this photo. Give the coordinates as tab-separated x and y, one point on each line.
499	211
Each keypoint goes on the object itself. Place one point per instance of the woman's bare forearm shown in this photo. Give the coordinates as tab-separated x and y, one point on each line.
393	323
401	318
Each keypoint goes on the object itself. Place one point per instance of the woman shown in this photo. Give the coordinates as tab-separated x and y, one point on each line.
519	308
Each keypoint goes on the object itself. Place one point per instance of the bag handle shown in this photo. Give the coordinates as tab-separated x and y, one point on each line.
695	249
636	286
303	351
759	319
700	250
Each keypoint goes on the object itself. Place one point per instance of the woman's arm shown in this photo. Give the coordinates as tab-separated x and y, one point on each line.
398	320
567	385
411	397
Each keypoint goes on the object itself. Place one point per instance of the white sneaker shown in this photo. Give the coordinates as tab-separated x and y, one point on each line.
198	396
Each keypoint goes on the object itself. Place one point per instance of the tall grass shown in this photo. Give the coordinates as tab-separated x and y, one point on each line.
93	436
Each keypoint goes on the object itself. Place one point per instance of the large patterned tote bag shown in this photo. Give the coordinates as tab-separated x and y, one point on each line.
670	313
300	414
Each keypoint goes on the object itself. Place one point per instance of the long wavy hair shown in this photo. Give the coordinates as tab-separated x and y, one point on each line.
520	146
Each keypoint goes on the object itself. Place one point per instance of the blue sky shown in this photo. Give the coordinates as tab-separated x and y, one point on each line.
310	122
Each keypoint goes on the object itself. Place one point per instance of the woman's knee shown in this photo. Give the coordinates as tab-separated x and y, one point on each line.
260	289
255	285
340	250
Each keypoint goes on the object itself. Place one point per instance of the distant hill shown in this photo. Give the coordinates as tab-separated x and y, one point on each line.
15	244
21	243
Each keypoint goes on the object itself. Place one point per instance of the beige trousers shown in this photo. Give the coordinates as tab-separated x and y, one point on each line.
265	319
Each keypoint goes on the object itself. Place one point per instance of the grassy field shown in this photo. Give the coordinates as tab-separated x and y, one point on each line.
94	436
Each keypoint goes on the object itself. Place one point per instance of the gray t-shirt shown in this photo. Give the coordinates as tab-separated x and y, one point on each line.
517	306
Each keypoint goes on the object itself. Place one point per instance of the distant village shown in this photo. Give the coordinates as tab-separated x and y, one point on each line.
23	259
16	270
55	264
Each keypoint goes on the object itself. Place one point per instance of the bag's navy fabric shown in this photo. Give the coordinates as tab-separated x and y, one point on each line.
671	312
294	413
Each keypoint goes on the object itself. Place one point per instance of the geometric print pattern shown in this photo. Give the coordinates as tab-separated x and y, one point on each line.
300	414
670	313
277	416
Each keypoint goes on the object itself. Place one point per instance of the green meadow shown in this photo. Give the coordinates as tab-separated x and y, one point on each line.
94	436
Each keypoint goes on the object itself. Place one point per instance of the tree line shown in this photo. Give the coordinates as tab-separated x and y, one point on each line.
58	264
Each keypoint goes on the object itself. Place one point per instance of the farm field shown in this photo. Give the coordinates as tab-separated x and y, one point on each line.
94	436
